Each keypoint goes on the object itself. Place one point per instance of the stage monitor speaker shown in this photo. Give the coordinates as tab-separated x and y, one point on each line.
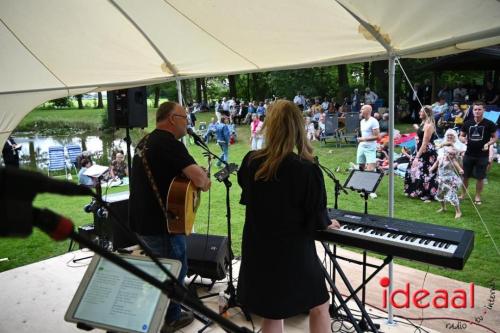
208	256
106	225
128	108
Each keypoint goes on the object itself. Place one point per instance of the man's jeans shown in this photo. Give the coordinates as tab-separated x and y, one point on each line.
172	247
225	151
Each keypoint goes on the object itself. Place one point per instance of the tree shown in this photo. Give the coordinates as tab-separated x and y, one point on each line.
198	90
99	101
232	85
79	100
343	82
157	96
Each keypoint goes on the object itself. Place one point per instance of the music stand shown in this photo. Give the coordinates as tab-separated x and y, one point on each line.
365	182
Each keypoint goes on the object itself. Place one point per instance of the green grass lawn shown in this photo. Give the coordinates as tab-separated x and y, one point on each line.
480	268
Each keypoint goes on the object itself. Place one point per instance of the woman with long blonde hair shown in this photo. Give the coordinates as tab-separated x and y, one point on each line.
419	181
285	199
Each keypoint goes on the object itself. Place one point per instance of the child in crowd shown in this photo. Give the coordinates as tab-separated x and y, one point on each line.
310	130
448	180
256	134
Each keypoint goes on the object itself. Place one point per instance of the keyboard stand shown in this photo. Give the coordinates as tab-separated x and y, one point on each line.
366	322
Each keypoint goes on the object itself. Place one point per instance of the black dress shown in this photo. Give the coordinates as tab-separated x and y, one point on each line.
280	274
419	181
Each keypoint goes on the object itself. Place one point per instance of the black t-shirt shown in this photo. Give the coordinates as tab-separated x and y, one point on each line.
166	158
477	136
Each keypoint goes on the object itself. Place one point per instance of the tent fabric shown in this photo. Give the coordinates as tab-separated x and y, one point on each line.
52	47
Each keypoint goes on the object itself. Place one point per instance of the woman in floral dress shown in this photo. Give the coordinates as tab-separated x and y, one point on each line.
419	181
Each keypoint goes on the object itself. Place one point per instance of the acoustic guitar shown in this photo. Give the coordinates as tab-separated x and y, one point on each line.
183	199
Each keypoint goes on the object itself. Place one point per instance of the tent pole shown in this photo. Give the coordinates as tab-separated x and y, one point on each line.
392	74
179	91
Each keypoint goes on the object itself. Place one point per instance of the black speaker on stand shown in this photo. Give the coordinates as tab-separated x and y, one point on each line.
128	108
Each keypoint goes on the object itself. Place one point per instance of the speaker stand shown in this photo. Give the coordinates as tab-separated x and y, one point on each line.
128	141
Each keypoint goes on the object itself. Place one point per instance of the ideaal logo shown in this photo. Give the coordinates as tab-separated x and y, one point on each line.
439	299
423	298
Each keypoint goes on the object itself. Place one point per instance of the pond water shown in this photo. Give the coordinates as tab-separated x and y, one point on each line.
34	152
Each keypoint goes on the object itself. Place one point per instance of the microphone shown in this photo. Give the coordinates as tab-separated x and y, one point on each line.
197	140
19	184
17	218
56	226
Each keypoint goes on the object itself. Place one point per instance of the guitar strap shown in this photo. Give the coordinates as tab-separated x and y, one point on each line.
142	153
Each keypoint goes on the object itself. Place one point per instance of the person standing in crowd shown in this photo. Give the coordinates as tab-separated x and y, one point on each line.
159	158
427	92
448	179
491	96
419	181
285	198
366	155
10	152
300	101
478	134
370	97
223	136
256	135
414	100
356	101
325	105
446	93
459	93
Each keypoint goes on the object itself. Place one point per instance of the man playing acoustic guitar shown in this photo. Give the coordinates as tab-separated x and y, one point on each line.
159	158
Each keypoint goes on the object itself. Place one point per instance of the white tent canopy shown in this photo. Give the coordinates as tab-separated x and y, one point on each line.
56	48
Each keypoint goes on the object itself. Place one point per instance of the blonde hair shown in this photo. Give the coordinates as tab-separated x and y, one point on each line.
283	132
429	115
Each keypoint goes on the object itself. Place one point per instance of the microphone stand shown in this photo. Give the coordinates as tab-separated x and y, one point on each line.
223	176
337	188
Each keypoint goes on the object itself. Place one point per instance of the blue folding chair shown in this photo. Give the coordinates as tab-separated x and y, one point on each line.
57	161
73	152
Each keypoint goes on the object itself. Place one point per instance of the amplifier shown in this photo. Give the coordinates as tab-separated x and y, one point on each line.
208	256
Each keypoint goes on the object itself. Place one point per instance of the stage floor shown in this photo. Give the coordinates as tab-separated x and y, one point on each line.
35	298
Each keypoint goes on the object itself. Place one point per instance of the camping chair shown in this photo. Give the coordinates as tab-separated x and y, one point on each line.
73	152
331	129
202	129
349	133
57	161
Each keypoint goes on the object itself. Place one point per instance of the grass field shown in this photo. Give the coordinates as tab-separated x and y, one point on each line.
480	268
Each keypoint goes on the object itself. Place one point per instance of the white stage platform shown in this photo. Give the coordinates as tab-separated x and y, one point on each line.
35	298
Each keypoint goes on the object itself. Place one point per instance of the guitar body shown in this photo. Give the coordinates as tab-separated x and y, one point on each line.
183	199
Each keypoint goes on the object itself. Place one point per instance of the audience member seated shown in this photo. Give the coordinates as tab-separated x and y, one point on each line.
118	168
439	108
457	115
384	125
84	179
84	155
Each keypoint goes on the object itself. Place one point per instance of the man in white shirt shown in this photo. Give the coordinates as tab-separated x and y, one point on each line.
300	101
370	96
367	148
